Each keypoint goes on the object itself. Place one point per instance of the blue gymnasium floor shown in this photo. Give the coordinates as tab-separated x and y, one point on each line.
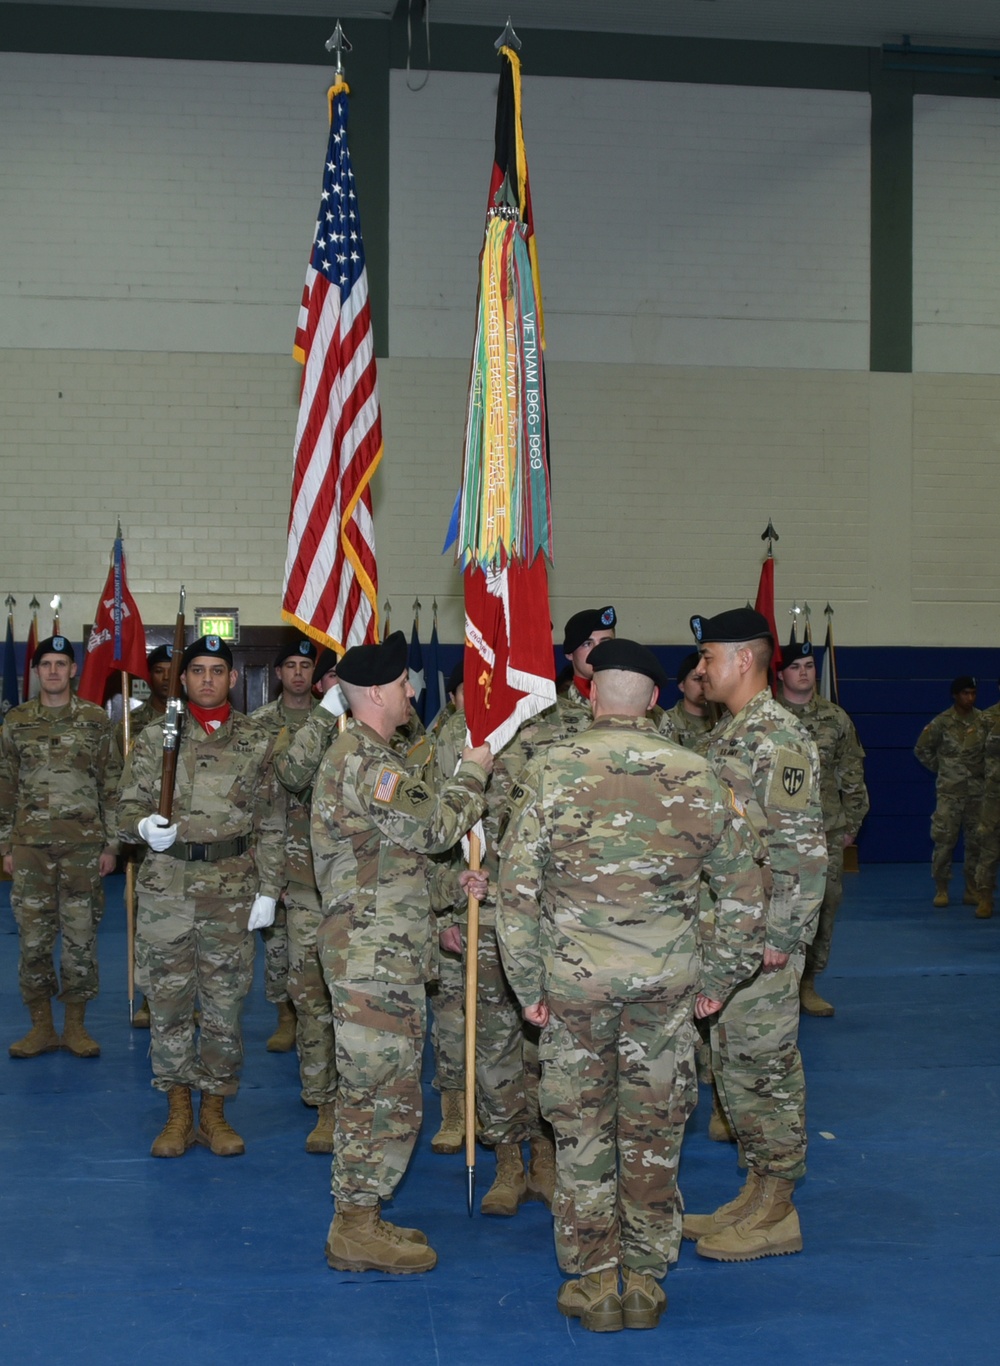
109	1256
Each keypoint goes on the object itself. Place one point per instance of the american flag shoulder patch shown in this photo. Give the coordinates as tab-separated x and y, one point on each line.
385	785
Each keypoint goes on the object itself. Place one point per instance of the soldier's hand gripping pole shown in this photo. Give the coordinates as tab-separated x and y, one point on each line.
471	1001
172	719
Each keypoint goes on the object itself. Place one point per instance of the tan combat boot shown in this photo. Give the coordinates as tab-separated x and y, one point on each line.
643	1299
214	1130
941	894
177	1135
700	1225
541	1182
41	1037
769	1227
359	1240
810	1001
594	1300
719	1128
509	1186
75	1038
451	1135
283	1038
320	1138
140	1017
985	907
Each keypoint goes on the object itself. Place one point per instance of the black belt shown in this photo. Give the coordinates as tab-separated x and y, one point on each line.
209	853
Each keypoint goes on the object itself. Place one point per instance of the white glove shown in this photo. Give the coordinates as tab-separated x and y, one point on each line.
157	831
262	912
334	701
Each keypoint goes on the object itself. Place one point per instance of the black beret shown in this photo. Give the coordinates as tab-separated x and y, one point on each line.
212	646
456	678
742	623
961	684
163	654
688	663
299	647
368	666
582	624
628	656
800	650
327	661
52	645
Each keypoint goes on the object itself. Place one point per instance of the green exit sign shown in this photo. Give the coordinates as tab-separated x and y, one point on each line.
224	624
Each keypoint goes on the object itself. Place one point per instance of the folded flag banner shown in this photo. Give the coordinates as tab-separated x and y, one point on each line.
117	641
505	513
331	577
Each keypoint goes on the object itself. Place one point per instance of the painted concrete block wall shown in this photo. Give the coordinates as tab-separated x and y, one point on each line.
677	224
176	411
956	243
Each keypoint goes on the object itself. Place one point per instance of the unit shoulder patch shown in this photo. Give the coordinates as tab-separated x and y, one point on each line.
790	783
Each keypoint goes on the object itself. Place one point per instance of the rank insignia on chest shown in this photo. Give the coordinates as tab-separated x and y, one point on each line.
792	780
385	785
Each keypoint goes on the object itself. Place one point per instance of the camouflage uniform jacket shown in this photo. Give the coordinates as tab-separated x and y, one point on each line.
952	746
447	754
282	722
600	873
991	751
567	718
842	792
59	771
373	826
684	729
772	766
225	788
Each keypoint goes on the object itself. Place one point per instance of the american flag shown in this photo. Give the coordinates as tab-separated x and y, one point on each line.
331	578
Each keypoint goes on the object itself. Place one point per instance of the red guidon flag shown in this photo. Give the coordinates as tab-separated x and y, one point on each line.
505	514
331	579
117	640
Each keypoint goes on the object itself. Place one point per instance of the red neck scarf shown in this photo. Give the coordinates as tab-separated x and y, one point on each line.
210	718
582	685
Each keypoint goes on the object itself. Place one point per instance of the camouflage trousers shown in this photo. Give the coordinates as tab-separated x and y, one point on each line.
446	1005
507	1066
989	845
309	995
188	950
57	889
275	941
953	814
618	1086
758	1069
818	952
379	1031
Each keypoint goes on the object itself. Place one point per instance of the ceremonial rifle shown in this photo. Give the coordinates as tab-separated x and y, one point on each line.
173	717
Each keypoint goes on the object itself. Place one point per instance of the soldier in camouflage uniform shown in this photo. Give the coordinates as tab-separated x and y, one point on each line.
989	824
843	797
373	825
688	722
598	921
293	668
58	775
951	746
211	878
762	753
507	1069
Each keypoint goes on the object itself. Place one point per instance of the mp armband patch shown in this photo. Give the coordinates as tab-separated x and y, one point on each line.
790	785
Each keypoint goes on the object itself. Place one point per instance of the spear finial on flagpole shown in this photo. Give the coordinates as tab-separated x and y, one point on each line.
795	611
828	610
508	38
56	605
807	630
417	605
338	45
11	603
769	535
